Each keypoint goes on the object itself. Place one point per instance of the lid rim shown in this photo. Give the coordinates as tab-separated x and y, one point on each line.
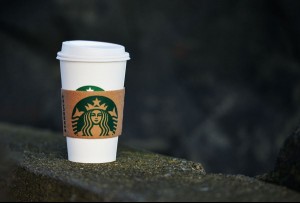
92	51
93	60
124	54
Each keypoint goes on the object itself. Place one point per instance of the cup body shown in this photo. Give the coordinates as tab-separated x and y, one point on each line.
104	74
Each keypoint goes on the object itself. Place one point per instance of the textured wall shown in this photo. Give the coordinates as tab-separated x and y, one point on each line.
210	81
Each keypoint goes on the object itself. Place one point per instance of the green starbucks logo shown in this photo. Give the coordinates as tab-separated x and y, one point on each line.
95	116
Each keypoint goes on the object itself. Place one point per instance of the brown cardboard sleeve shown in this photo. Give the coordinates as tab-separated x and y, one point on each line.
73	113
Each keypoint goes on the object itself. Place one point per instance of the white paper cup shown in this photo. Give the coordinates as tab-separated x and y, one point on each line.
89	63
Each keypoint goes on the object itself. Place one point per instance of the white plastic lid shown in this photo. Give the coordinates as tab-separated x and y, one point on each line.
92	51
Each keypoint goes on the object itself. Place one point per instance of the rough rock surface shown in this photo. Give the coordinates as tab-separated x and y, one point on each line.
38	170
287	170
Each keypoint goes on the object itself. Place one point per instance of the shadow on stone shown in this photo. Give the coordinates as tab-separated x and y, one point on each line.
287	169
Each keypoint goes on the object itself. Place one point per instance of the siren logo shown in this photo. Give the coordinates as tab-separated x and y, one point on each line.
95	116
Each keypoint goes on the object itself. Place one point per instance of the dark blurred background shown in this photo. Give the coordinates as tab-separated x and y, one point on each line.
211	81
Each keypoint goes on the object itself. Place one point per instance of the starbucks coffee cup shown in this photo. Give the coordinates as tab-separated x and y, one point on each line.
92	75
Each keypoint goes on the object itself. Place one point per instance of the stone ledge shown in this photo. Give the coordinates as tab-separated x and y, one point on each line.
39	171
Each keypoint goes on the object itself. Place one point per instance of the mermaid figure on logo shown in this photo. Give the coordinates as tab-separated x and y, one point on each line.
95	121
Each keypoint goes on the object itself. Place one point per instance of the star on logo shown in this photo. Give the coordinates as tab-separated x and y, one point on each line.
90	90
96	102
96	105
